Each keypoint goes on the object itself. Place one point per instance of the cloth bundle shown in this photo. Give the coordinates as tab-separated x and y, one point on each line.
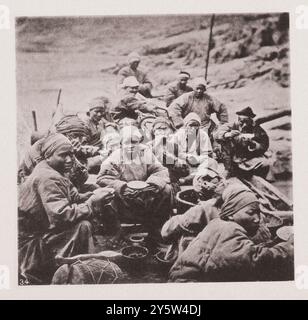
72	124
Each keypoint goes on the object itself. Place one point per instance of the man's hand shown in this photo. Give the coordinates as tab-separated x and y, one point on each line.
151	188
130	193
100	198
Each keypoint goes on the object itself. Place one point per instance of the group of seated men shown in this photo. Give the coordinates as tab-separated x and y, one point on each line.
221	238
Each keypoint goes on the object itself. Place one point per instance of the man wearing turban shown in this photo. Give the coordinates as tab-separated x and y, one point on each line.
76	130
53	217
224	250
97	116
145	85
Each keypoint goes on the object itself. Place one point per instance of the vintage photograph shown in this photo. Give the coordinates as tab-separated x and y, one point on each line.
154	149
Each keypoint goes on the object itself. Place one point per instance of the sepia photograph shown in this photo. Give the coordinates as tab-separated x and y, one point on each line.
154	149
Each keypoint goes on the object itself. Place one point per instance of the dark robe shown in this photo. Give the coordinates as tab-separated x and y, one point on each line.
51	222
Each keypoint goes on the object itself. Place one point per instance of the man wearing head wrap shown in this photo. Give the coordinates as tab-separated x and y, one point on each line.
53	217
73	128
97	117
193	143
200	103
224	251
77	132
150	206
178	87
145	85
243	145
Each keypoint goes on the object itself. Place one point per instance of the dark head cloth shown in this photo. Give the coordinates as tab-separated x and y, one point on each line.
98	102
246	112
53	143
235	197
72	124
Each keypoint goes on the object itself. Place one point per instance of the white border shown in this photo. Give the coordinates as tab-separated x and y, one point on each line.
299	98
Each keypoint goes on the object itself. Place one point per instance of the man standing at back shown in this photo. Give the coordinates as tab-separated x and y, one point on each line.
199	102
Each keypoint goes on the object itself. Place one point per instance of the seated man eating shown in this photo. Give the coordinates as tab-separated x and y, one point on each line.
150	204
54	219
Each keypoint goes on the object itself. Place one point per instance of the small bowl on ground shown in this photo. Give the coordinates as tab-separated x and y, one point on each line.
136	239
134	255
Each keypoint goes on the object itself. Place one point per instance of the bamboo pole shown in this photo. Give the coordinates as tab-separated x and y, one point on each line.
209	47
34	120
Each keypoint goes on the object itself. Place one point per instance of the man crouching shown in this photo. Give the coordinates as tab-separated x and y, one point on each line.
224	249
54	219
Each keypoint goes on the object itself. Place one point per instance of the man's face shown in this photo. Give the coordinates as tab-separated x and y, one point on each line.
61	160
97	114
245	122
199	91
130	146
134	65
248	218
132	90
183	82
192	127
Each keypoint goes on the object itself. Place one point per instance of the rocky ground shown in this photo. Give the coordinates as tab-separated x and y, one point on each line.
249	65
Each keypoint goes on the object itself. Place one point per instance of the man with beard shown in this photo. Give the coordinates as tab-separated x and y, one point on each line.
224	251
53	218
243	145
145	85
200	103
177	88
